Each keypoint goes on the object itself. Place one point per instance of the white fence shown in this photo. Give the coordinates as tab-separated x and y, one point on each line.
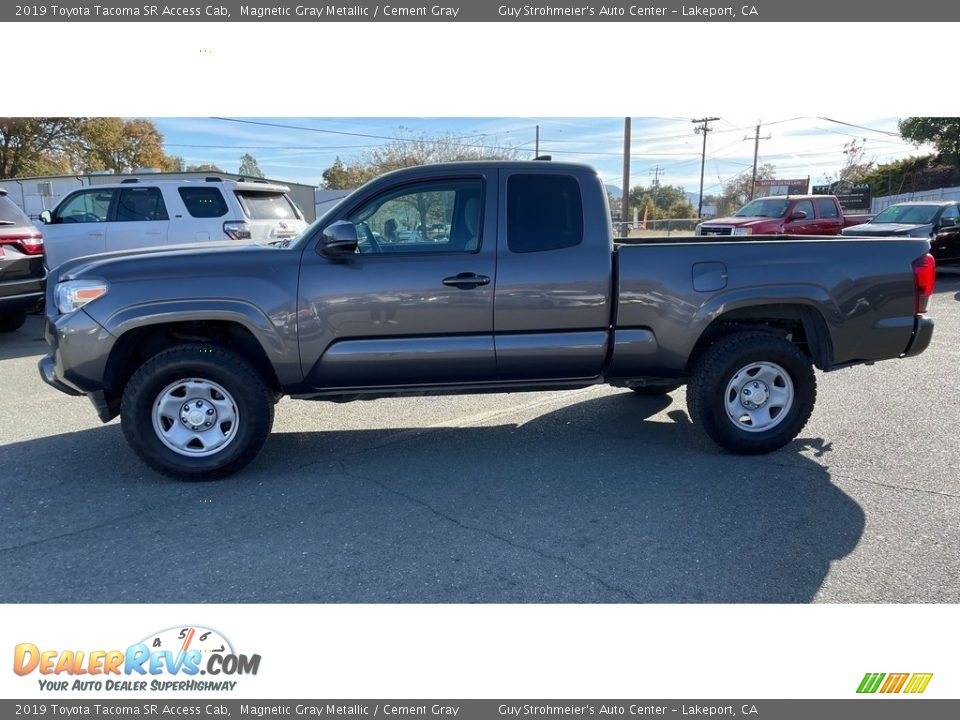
881	203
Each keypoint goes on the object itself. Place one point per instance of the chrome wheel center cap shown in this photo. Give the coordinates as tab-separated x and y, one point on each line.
198	415
754	394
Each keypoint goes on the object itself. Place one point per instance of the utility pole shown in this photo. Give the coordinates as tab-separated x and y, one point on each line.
704	128
756	149
656	172
537	151
625	196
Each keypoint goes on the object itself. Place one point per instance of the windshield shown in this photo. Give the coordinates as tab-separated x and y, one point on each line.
764	207
911	214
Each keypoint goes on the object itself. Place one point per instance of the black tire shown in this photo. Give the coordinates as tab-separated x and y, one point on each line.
253	400
12	321
716	368
656	390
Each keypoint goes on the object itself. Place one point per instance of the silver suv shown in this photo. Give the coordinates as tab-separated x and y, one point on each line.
136	214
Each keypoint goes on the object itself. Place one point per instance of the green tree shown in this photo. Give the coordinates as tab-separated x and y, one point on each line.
942	132
249	166
38	146
661	201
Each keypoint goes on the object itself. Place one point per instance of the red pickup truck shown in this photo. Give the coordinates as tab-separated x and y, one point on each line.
786	215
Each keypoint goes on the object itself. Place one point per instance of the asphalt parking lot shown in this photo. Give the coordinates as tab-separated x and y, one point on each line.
587	496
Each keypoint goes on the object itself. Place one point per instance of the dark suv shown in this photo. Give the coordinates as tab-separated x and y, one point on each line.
22	271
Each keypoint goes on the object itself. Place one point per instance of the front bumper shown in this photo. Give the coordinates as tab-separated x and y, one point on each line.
76	364
922	334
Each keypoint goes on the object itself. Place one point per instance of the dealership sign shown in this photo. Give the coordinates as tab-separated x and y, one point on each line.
852	196
776	186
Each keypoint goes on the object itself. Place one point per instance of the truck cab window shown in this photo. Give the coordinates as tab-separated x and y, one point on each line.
435	216
544	212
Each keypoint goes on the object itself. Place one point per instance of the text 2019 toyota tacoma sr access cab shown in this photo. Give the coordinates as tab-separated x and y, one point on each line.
472	277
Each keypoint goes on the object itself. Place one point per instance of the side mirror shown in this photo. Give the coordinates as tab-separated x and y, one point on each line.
340	238
798	215
948	222
45	217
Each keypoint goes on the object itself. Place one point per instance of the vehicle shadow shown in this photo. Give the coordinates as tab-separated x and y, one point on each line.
589	503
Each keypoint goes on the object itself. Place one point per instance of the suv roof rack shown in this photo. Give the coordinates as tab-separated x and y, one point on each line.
213	179
544	157
129	180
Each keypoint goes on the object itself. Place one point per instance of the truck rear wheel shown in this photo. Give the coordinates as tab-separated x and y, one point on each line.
196	412
752	392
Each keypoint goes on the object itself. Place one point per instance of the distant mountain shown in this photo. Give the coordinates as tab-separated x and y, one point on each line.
615	192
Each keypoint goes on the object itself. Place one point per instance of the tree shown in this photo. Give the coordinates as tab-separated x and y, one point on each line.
203	167
942	132
662	201
249	166
737	191
408	150
121	145
38	146
855	164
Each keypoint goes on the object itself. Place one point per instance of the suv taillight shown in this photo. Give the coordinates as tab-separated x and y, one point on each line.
27	243
237	230
924	277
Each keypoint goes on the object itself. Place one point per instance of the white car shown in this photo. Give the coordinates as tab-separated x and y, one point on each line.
137	214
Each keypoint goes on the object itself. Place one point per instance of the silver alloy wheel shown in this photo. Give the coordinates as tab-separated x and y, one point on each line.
195	417
759	396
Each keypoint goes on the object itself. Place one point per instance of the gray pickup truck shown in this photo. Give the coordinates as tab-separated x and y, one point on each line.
471	278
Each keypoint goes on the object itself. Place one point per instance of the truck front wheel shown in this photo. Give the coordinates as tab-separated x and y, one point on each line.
196	412
752	392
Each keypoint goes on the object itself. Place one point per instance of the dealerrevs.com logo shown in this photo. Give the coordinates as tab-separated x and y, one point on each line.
172	659
892	683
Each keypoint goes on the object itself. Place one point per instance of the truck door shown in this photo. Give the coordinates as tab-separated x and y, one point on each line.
801	226
552	307
829	217
139	219
414	306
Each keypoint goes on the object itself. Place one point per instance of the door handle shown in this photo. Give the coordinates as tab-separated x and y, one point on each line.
466	280
95	233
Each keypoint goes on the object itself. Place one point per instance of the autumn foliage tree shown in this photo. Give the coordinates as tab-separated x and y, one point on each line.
408	150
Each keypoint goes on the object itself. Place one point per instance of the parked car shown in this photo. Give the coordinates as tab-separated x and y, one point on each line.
938	221
142	213
22	271
193	348
784	214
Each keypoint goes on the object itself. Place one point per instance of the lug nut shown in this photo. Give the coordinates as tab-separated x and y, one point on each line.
199	403
209	423
209	411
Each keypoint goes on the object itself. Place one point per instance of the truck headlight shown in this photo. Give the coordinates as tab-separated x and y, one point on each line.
742	231
698	230
74	294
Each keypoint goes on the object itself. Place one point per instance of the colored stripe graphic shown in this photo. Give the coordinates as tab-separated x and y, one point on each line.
870	682
894	682
918	682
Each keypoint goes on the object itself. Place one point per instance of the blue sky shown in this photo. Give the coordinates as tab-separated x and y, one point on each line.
798	147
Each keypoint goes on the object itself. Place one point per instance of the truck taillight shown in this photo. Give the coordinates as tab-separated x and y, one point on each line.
28	244
924	277
237	230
